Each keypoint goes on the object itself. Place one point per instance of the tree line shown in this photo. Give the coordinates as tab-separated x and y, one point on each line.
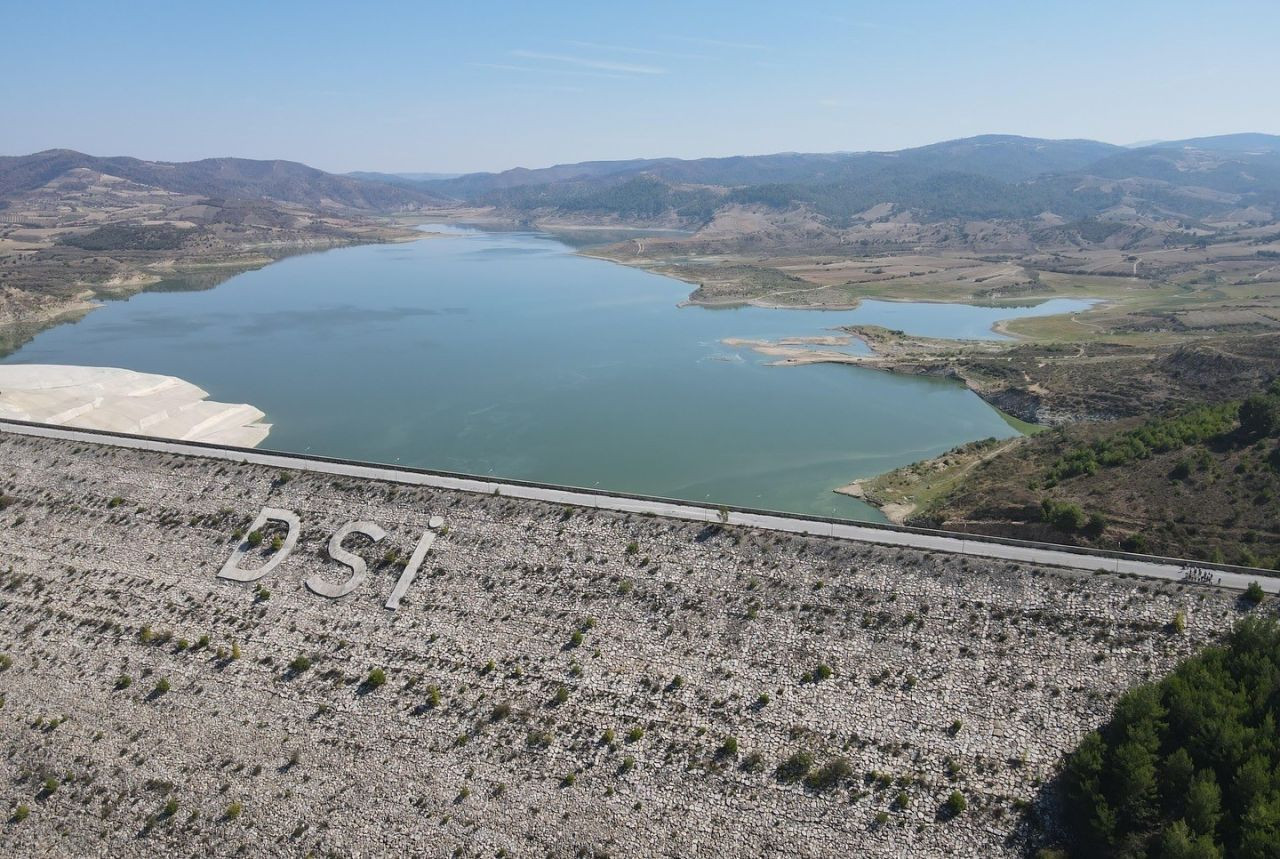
1189	767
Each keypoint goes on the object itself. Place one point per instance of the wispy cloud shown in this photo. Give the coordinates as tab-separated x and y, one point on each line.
548	88
596	46
586	62
864	25
542	70
718	43
623	49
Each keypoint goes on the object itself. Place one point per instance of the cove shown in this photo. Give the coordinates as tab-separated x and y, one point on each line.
507	355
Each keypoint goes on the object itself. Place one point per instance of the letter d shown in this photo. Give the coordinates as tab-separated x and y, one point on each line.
231	569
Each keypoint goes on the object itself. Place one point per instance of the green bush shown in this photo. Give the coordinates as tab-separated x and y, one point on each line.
956	804
829	775
1254	593
817	675
20	813
1259	415
794	768
1136	543
1065	516
299	664
376	678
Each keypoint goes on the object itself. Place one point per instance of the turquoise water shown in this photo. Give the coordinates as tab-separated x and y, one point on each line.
507	355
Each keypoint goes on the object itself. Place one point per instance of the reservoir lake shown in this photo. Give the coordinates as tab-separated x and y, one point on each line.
507	355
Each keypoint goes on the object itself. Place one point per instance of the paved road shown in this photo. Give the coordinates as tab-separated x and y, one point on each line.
938	542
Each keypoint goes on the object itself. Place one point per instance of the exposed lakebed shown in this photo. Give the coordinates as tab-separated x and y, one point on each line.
506	354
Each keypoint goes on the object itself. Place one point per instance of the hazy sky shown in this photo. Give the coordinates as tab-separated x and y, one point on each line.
461	86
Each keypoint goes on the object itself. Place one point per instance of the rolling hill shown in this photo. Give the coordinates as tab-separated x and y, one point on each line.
241	178
986	177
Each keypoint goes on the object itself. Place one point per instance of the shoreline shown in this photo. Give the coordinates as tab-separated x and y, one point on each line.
790	351
19	325
896	513
901	492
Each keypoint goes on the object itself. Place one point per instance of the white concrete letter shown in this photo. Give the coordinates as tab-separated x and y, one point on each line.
319	586
415	561
231	569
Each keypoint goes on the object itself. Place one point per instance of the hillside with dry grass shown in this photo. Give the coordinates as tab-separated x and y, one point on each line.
1202	482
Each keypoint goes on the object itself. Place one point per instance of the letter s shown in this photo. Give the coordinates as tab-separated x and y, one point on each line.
317	585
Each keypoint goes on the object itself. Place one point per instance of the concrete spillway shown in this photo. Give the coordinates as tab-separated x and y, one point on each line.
110	398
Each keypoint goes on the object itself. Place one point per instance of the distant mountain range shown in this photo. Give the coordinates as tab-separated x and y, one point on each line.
991	177
1001	157
986	177
236	178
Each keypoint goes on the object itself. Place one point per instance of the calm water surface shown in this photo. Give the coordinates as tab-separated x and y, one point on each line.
505	354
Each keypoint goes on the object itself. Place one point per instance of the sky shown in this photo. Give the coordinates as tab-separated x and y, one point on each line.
459	87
